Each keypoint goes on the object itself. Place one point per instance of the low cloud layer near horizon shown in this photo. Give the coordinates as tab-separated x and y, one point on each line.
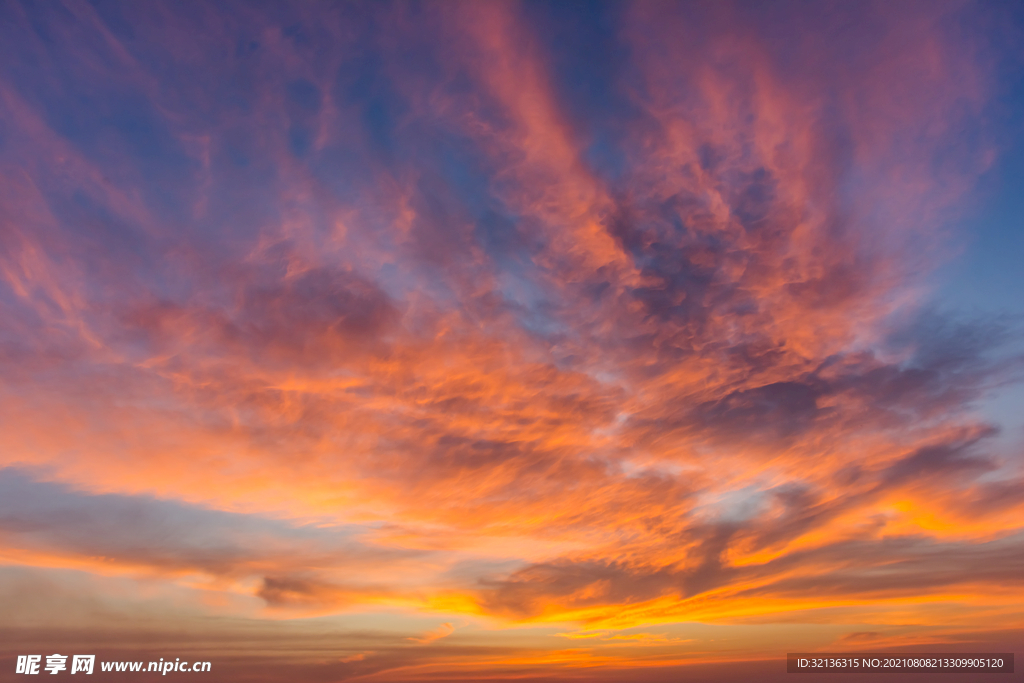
471	339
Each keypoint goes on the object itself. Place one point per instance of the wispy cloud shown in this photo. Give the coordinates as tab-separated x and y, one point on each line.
507	313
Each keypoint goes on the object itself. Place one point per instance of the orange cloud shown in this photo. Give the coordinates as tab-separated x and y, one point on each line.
470	312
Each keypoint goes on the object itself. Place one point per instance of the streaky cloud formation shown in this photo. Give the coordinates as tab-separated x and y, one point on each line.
483	341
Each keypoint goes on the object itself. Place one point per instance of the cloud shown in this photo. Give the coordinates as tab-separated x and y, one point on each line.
42	521
861	636
442	631
503	312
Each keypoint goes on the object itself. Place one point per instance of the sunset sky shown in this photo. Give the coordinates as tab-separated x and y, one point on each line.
541	341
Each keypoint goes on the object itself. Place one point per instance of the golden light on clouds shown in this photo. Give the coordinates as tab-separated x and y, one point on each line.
472	341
